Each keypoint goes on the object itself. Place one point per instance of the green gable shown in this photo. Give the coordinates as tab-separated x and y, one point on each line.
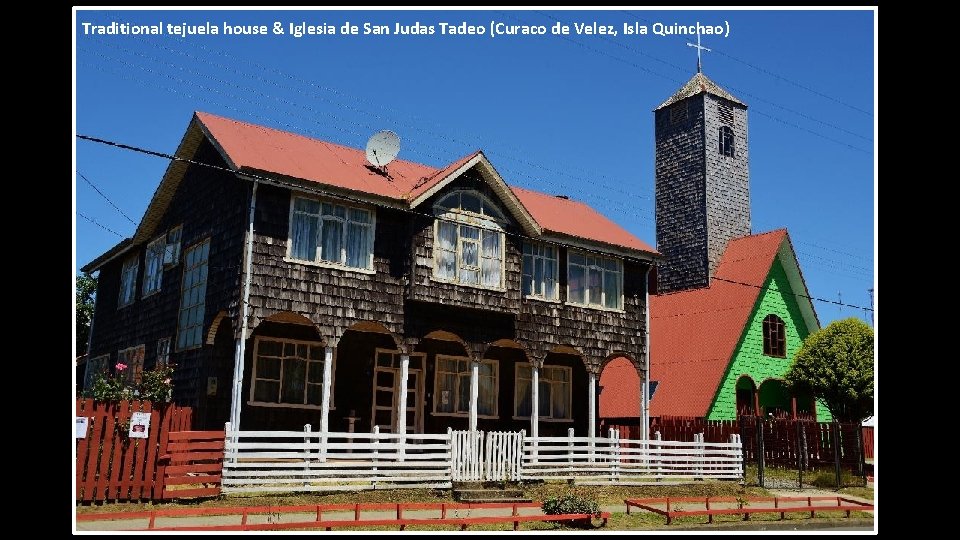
778	298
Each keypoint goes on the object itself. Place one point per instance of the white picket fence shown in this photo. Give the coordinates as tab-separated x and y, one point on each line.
287	461
290	461
612	460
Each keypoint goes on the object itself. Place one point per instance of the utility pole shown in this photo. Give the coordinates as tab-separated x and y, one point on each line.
870	291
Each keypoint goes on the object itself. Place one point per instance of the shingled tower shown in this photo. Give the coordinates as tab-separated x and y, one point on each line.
702	181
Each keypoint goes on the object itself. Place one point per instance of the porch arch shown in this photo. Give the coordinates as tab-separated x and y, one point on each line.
374	327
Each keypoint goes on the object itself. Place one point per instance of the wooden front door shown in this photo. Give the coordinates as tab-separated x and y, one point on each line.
386	392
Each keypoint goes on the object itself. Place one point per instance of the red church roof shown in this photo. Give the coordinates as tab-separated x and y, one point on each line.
259	148
693	333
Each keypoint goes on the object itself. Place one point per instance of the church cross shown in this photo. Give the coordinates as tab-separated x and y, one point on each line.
699	48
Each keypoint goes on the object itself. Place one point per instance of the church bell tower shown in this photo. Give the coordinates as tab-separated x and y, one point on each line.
702	181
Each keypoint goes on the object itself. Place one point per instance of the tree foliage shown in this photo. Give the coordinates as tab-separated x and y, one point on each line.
86	290
836	365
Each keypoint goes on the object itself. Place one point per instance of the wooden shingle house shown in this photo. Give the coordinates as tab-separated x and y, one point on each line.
293	283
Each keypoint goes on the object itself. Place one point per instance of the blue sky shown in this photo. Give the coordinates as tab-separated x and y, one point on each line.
562	114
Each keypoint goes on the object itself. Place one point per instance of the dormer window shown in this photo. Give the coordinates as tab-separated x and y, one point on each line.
468	240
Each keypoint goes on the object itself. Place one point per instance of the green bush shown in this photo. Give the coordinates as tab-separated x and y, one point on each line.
572	504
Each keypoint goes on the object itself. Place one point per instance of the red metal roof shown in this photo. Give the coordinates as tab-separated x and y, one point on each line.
693	333
270	150
576	219
619	389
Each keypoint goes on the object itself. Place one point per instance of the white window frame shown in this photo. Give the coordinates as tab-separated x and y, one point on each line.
534	256
201	300
598	265
128	281
371	229
98	365
253	377
163	352
543	378
132	357
454	397
156	250
491	223
171	251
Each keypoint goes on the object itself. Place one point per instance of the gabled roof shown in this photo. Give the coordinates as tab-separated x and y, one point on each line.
259	150
699	83
693	334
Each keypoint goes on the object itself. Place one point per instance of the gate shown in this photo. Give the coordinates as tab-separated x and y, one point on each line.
479	456
503	452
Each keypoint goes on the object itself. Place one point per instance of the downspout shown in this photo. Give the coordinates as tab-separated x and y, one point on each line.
645	398
245	310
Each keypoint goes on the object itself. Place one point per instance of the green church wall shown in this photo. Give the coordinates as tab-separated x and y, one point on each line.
777	298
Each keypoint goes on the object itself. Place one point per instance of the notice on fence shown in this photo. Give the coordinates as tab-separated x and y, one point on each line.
139	425
82	423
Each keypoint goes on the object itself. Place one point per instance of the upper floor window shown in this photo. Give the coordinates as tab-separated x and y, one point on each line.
726	141
594	281
468	240
774	337
153	265
540	268
128	281
322	231
193	296
171	252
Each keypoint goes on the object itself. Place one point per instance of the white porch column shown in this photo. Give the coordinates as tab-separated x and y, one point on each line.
325	404
327	387
591	404
402	400
474	393
535	402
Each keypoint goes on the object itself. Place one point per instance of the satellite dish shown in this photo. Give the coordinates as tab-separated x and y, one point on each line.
382	148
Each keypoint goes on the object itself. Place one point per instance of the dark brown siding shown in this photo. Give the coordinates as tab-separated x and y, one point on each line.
210	204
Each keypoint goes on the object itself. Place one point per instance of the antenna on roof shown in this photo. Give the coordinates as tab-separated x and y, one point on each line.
382	148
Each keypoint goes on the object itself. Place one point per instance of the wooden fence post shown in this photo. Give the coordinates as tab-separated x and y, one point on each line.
306	453
376	455
570	448
656	460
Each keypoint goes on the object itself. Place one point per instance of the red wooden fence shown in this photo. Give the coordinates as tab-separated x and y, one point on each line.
193	459
111	466
868	442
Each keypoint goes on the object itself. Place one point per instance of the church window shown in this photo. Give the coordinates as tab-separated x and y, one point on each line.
774	337
726	141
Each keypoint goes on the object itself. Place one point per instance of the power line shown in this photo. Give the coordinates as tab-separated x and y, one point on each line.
739	91
95	222
617	205
117	208
405	210
617	208
773	74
